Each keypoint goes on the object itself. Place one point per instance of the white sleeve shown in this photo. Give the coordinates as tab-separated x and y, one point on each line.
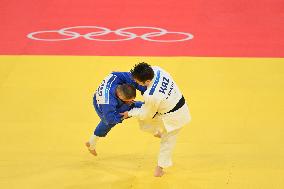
147	110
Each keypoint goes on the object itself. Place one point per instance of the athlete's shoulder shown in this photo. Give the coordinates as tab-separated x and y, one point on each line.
153	97
104	93
124	77
121	74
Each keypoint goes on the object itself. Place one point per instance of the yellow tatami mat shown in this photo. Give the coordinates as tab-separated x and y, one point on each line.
235	139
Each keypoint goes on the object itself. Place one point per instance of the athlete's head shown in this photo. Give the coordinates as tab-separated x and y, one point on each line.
126	92
142	73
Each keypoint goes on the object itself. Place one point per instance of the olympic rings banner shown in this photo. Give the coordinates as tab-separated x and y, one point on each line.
126	33
195	28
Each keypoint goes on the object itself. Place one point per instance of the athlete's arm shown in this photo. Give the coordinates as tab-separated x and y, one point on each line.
147	110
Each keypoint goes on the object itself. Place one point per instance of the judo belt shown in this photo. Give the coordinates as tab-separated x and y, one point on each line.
180	103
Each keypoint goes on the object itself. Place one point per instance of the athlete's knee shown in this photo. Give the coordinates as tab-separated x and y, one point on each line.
100	133
102	130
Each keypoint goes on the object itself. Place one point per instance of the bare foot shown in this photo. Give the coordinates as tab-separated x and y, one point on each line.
158	134
159	172
92	151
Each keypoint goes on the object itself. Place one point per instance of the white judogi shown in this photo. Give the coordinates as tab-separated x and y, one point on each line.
161	96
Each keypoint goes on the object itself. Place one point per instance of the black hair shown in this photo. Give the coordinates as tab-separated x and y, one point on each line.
127	90
142	72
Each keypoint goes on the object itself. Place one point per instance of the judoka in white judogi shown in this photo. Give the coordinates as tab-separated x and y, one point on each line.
165	111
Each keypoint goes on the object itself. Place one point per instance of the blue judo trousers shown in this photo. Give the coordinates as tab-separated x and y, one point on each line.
108	106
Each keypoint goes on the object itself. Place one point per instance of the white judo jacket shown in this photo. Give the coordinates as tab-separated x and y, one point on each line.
161	96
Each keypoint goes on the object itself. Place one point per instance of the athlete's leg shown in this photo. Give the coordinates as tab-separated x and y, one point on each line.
101	131
167	145
154	126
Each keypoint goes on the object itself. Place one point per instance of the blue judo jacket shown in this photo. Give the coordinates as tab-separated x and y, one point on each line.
107	104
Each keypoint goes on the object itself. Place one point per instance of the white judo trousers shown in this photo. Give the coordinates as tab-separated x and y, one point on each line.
168	138
161	97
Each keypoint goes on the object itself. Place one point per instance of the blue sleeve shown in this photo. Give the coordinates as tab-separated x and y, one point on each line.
110	113
126	77
124	108
138	104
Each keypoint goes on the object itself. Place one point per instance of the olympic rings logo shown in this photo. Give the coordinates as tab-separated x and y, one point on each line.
123	33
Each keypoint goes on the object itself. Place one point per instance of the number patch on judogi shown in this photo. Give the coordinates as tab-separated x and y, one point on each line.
102	93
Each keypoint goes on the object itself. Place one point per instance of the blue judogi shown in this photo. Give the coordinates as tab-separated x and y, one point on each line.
108	105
